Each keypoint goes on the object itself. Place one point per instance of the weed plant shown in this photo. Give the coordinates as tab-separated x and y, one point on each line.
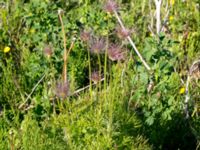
99	75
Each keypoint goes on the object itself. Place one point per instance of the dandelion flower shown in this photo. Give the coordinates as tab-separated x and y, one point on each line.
6	49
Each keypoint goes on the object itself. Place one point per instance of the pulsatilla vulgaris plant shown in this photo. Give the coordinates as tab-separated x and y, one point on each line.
85	36
122	33
96	77
116	53
126	96
48	50
97	45
112	7
62	89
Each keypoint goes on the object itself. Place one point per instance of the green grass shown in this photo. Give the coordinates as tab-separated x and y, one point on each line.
131	108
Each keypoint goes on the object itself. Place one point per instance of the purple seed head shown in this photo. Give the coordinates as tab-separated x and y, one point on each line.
122	33
95	77
115	53
85	36
97	46
62	89
48	50
111	6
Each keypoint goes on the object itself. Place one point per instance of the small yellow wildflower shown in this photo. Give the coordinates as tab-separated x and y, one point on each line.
182	90
171	18
104	32
6	49
32	31
172	2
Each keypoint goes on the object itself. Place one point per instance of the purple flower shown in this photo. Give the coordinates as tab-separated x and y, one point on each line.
85	36
62	89
111	6
122	33
95	77
115	53
48	51
97	46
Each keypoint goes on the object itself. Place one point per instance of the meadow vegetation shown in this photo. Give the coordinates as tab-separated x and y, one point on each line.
93	74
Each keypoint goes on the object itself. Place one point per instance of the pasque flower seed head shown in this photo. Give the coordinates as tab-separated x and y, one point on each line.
48	51
115	53
62	89
122	33
97	46
85	36
111	6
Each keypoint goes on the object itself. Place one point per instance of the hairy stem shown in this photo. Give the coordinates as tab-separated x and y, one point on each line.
64	73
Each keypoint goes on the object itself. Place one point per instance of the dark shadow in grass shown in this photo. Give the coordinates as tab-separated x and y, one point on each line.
175	134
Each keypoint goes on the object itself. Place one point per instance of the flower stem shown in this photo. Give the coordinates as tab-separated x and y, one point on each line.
90	72
131	42
64	73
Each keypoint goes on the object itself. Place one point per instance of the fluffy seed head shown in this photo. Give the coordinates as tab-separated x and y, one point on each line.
111	6
115	53
60	11
48	51
122	33
97	46
85	36
62	89
95	77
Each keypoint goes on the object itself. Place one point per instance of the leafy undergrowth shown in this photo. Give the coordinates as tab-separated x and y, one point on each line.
107	98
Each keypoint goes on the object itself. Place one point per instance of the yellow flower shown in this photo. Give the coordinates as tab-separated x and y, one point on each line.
172	2
32	31
171	18
182	90
6	49
104	32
